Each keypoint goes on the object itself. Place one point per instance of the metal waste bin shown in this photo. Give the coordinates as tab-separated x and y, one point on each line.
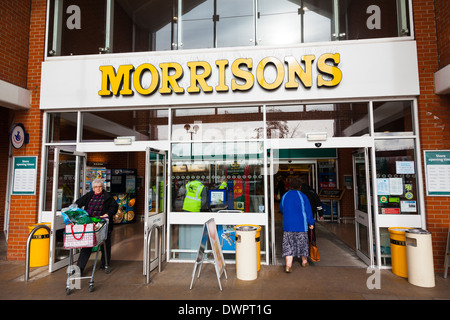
419	254
39	246
258	243
246	260
398	251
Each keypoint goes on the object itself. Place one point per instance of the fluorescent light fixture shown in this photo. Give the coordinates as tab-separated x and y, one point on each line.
316	136
123	140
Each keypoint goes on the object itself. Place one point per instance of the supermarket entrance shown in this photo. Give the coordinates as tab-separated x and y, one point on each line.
140	192
134	178
338	175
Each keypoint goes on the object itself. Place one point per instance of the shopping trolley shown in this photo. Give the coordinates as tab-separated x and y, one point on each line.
84	236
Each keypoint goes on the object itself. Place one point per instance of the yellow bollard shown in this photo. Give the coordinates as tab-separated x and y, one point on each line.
39	246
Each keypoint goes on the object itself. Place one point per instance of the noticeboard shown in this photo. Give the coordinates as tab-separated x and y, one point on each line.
331	194
437	170
25	173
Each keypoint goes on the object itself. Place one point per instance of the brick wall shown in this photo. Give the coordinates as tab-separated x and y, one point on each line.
14	29
24	209
434	117
443	31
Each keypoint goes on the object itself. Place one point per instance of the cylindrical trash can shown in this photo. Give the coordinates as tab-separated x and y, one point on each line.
419	254
398	251
39	246
258	243
246	262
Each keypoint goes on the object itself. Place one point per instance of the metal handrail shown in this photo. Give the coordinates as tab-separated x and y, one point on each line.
158	253
27	258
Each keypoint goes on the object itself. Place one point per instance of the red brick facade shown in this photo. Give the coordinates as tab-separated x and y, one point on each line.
434	110
431	20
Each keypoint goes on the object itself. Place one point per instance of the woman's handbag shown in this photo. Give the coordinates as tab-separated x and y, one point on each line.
313	248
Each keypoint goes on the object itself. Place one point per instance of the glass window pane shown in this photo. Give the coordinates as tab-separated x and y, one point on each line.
65	182
143	125
337	120
197	24
142	26
396	176
217	124
76	27
279	22
62	127
318	20
235	23
393	116
235	167
368	19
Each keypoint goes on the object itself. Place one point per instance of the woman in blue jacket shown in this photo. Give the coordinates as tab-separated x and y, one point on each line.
297	218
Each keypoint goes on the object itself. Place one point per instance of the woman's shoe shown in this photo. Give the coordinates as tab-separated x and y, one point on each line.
288	270
305	264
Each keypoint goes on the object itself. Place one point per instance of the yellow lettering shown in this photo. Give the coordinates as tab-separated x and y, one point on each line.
242	74
167	79
222	64
116	81
260	73
333	71
137	79
294	69
199	78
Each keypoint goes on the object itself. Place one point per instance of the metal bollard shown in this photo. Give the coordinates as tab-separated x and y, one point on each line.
27	259
158	253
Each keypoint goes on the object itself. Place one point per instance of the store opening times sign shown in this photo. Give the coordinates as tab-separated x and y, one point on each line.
437	168
25	173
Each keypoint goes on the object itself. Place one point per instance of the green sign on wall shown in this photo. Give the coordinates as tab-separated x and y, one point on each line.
25	173
437	169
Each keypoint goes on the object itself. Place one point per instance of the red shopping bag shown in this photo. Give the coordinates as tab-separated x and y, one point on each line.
79	236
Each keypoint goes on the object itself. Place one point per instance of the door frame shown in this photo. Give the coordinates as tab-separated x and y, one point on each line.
159	217
304	143
361	217
272	181
57	222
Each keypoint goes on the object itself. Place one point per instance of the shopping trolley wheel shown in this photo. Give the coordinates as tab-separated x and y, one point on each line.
107	270
91	287
67	291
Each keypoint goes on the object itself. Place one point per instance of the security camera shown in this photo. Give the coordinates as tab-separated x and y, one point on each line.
318	144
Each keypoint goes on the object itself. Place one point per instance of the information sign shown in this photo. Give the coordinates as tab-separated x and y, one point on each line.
25	173
437	169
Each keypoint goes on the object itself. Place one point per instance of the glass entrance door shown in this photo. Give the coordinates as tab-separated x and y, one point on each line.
363	206
68	185
155	204
281	171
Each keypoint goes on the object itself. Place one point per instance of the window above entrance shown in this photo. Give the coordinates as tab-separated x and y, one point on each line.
113	26
336	120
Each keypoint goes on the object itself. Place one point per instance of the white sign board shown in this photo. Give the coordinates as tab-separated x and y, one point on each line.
370	69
